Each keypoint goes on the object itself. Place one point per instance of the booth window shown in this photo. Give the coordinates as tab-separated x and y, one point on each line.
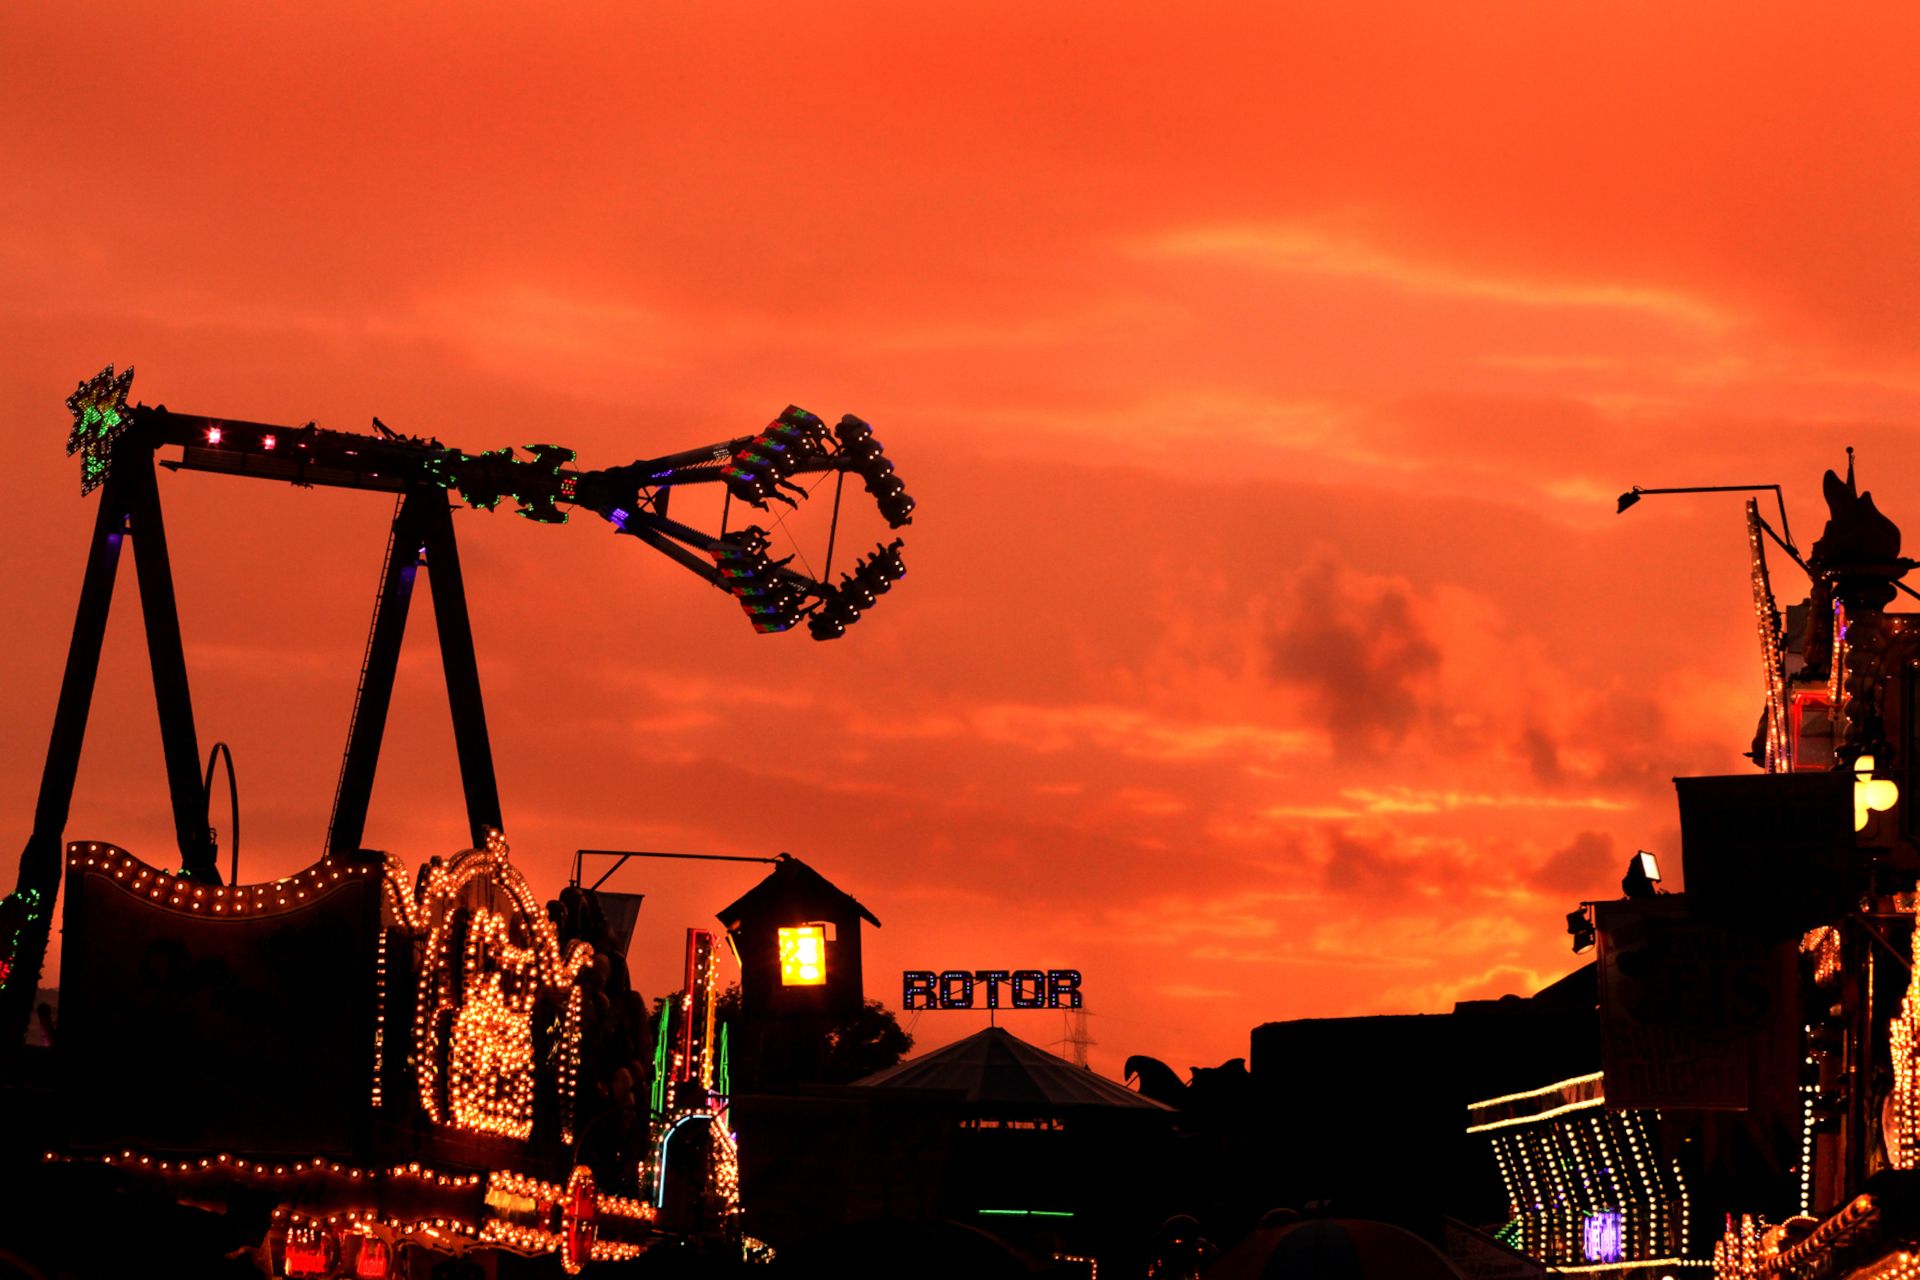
803	956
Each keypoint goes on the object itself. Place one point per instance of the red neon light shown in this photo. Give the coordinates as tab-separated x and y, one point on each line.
695	992
373	1260
306	1253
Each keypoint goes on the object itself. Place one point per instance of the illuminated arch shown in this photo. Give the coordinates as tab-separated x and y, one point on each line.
486	962
660	1174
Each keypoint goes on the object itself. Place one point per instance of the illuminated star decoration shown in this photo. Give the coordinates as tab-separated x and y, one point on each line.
100	414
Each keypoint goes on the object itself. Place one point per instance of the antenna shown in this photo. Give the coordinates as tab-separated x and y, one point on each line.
1075	1037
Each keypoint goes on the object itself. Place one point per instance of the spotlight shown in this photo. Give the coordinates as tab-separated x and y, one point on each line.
1628	498
1643	873
1580	928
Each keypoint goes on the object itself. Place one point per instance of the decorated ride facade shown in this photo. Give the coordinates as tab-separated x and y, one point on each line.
395	1054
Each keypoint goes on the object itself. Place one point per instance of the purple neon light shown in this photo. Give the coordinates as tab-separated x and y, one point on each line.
1603	1237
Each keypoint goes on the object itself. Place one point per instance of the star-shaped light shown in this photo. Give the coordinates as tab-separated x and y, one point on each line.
1870	794
100	414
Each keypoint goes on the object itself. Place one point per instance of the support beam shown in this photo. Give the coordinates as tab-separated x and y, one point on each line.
30	907
369	721
463	675
423	525
168	660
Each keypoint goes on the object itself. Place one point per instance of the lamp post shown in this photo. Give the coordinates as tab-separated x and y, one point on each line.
1784	537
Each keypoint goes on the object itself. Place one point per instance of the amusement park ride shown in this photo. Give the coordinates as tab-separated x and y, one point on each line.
1756	1111
391	1059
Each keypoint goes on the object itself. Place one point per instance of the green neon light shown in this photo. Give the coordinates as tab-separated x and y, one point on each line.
723	1081
660	1062
1024	1213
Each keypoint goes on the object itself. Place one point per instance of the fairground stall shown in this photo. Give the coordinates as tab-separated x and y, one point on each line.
1755	1114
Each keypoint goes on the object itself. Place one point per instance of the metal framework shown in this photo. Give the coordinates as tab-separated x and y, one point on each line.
119	444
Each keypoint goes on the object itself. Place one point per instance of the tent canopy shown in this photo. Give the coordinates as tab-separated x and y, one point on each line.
995	1067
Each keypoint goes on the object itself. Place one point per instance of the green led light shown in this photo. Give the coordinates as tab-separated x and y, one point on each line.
660	1061
100	414
1024	1213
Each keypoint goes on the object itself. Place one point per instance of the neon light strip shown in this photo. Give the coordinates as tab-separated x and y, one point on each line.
1024	1213
1536	1093
660	1184
1562	1268
1511	1121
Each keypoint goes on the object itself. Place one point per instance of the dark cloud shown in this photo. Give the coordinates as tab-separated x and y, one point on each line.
1584	868
1397	870
1542	754
1357	648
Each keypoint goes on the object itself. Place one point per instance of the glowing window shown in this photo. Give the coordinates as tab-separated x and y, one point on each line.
803	956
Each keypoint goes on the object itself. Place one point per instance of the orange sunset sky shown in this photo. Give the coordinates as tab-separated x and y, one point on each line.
1265	373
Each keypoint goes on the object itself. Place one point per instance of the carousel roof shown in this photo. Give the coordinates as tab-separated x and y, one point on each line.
995	1066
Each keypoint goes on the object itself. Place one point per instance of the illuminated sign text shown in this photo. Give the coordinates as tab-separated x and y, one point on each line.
980	989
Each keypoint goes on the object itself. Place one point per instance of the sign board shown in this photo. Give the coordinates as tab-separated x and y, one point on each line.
985	989
1694	1013
1774	852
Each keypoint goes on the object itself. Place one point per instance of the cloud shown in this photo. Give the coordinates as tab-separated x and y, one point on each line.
1357	647
1306	249
1410	800
1125	731
1239	915
1582	869
1489	984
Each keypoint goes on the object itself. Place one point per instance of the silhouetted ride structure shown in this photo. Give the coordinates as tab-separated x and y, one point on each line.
389	1058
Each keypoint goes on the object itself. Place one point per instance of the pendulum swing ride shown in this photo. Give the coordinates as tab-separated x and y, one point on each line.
445	992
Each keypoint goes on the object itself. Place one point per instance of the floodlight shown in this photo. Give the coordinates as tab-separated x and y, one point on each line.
1643	873
1580	928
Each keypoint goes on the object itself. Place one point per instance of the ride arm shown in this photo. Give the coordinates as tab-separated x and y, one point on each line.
755	469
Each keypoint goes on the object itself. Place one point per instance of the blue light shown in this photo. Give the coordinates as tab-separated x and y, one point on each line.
660	1183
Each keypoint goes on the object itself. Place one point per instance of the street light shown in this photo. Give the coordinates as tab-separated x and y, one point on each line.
1784	538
